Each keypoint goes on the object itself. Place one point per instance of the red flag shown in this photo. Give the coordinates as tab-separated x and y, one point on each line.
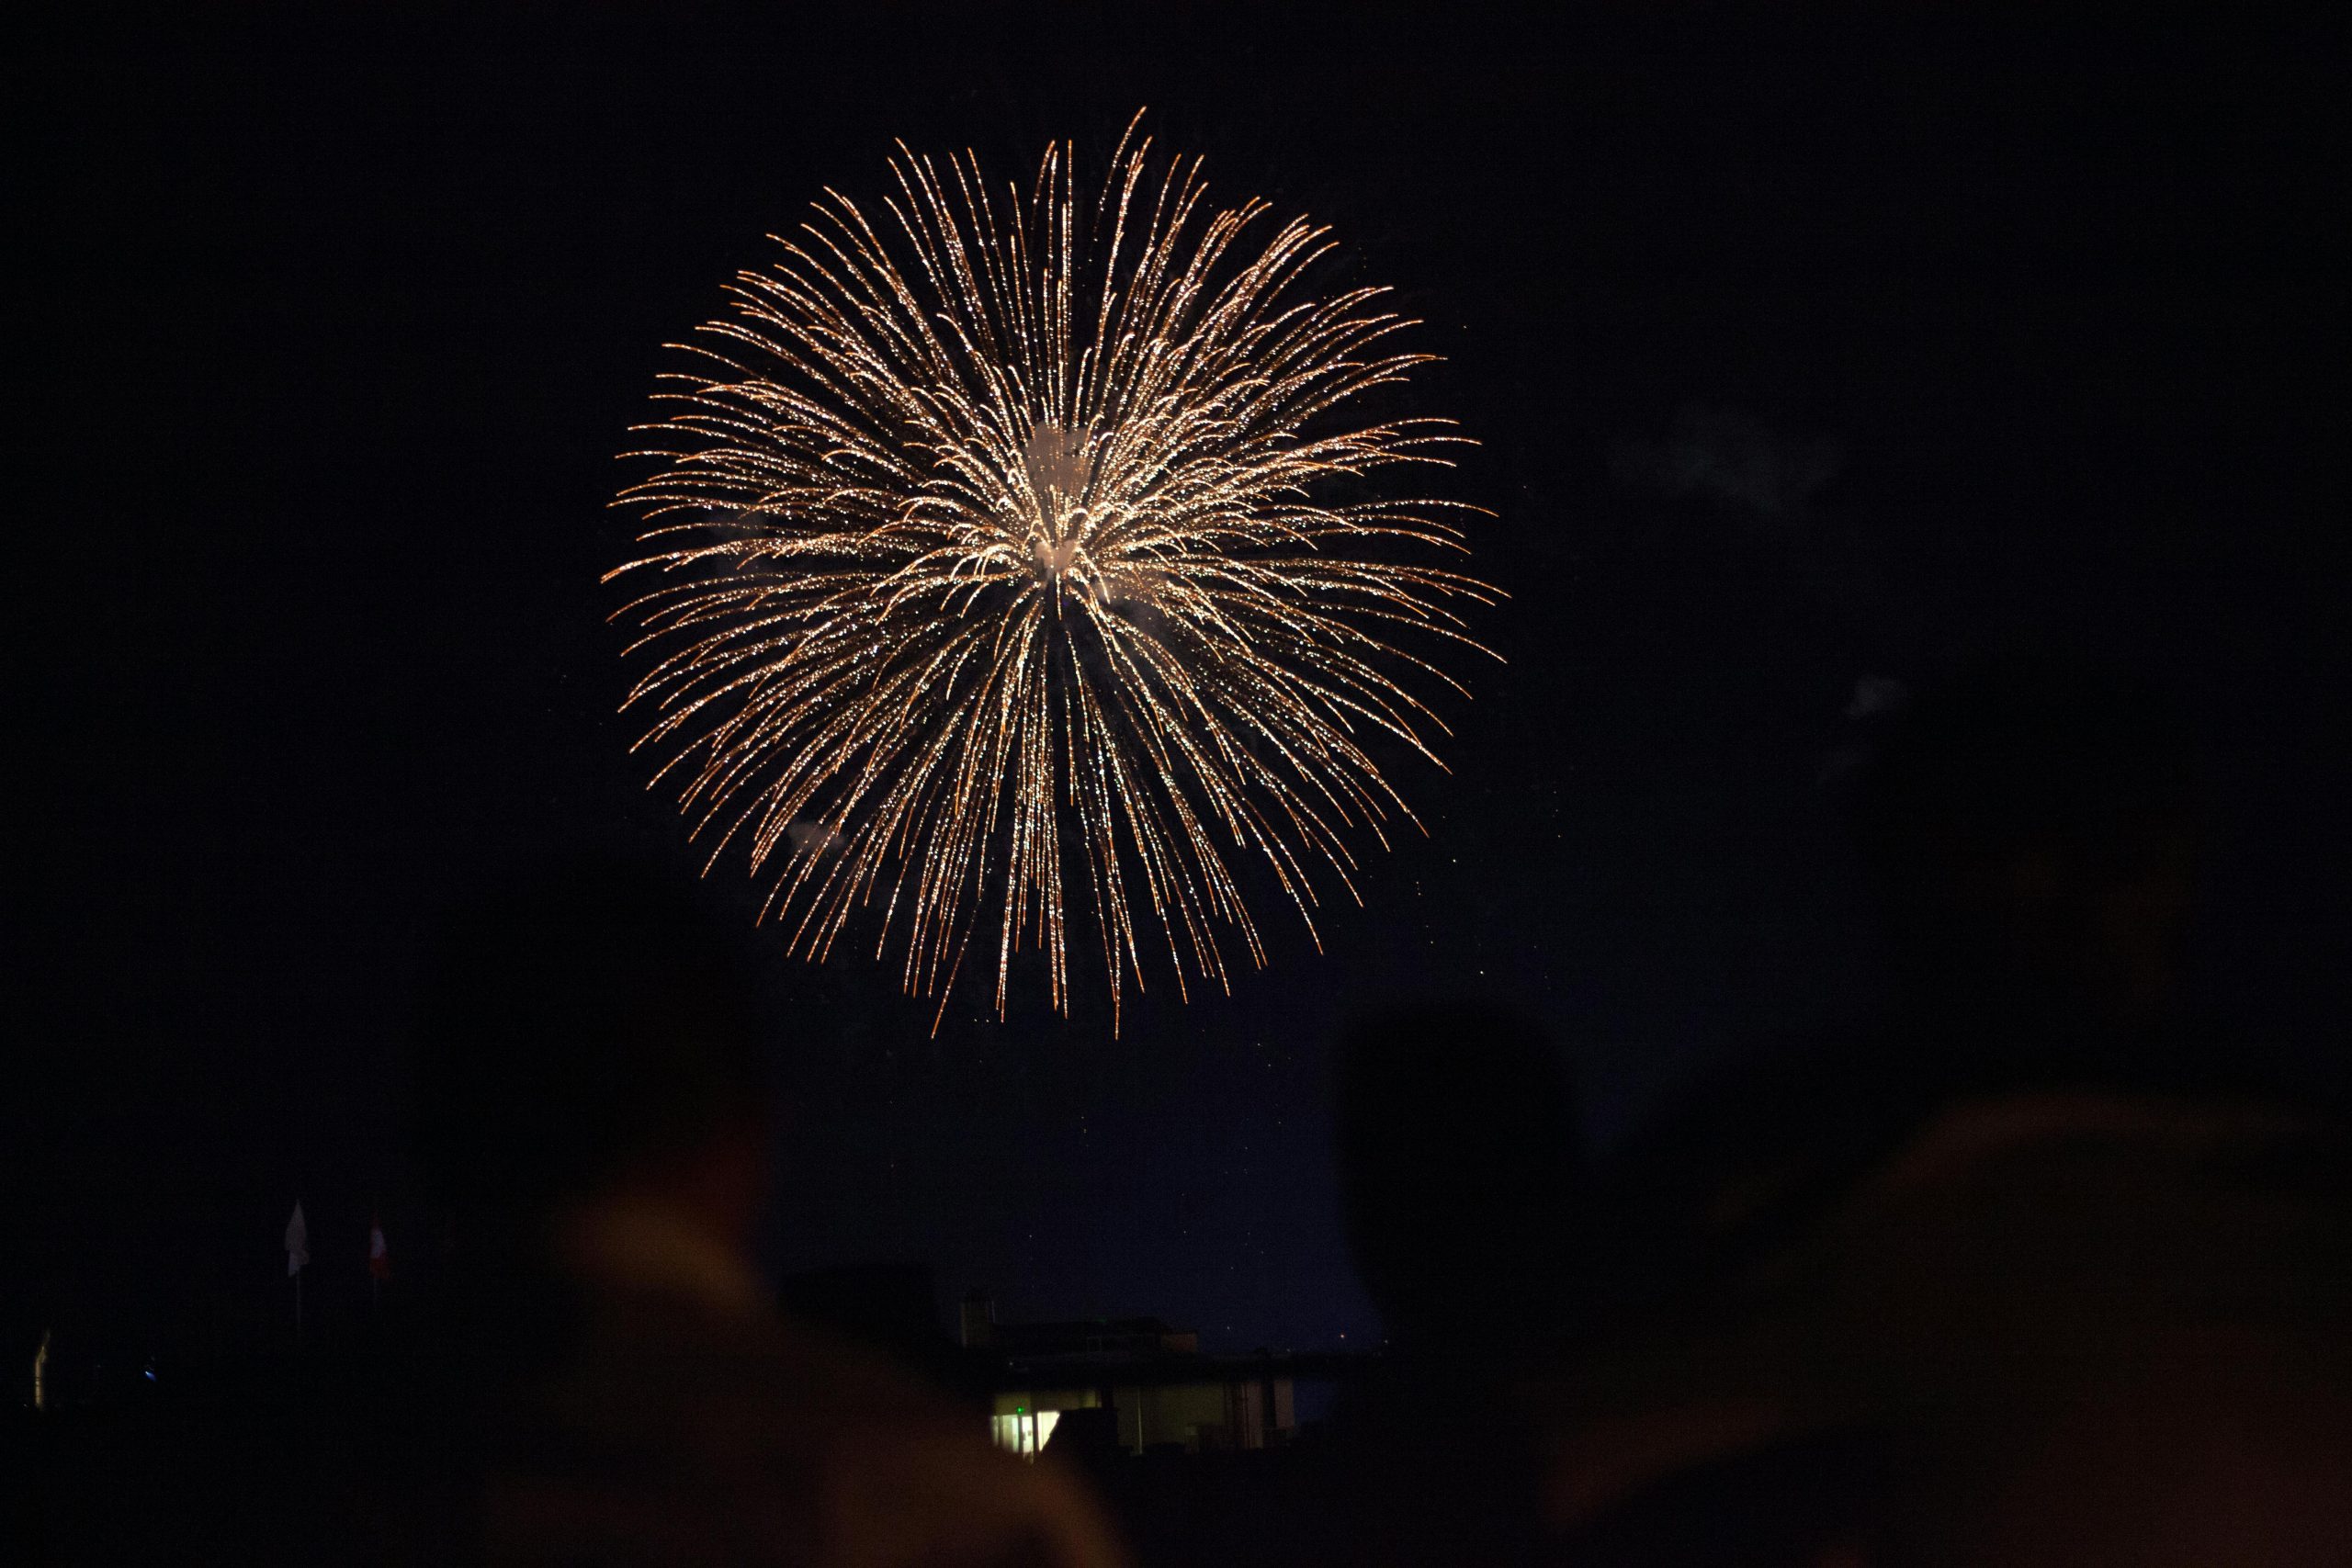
379	1257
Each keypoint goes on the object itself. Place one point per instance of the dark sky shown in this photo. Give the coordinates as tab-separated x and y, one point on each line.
1799	352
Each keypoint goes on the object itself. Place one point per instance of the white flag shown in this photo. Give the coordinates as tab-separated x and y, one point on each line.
297	1242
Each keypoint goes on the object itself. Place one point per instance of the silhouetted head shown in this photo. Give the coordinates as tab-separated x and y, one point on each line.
587	1029
2029	829
1457	1143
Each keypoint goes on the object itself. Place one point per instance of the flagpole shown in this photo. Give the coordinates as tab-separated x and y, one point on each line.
379	1263
298	1257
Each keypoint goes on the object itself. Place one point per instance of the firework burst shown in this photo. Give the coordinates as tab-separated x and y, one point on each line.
999	559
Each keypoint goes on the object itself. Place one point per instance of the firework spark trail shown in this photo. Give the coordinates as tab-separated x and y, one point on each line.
989	538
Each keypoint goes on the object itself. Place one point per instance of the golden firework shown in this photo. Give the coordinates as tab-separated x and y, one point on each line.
999	552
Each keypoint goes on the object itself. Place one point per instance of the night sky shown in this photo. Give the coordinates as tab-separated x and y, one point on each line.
1800	355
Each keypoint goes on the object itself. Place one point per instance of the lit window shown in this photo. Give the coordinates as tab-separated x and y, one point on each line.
1024	1431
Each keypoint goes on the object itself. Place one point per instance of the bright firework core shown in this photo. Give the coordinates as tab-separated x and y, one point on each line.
1057	466
1005	594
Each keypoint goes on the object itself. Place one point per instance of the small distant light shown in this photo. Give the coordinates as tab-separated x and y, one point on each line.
151	1377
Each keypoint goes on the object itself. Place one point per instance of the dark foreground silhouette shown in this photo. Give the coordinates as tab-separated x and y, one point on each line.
2024	1265
598	1377
1459	1171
